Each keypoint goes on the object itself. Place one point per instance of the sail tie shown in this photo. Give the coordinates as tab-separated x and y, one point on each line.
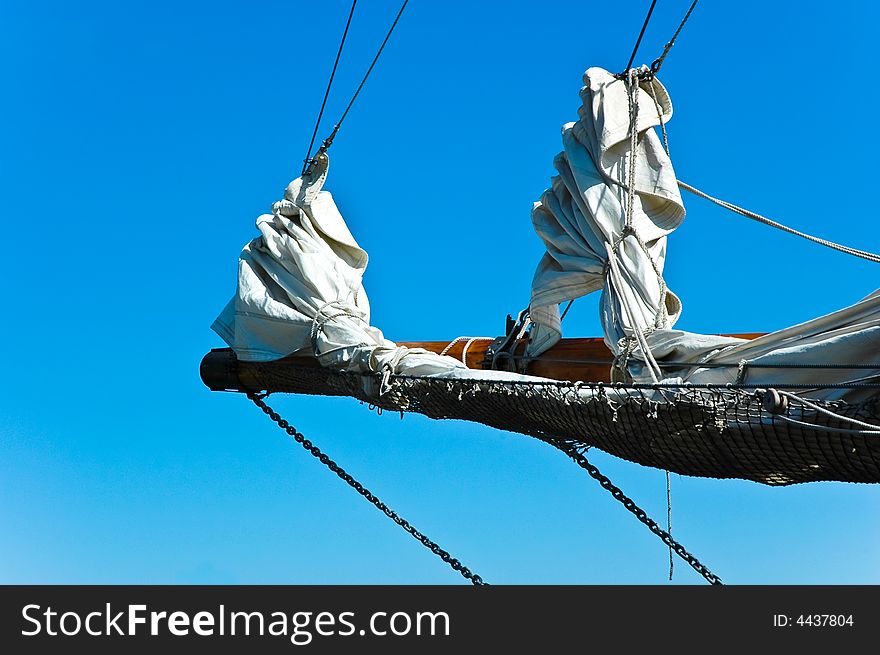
612	268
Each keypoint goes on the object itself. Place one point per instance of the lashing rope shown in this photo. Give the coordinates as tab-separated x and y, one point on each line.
469	341
613	265
827	412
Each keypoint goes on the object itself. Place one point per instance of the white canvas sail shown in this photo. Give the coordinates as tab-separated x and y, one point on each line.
582	221
582	217
300	290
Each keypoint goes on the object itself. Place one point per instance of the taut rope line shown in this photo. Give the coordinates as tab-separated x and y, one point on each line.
855	252
329	140
327	91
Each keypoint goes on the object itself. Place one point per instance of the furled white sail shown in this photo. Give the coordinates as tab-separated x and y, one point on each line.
583	217
583	221
300	290
817	352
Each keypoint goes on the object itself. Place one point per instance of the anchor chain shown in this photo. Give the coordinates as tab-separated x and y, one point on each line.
581	460
366	493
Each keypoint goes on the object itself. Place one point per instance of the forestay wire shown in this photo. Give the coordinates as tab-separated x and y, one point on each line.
574	452
329	84
655	67
325	145
641	34
657	63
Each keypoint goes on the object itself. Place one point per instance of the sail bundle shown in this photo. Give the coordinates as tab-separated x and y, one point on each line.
300	291
605	221
594	239
590	246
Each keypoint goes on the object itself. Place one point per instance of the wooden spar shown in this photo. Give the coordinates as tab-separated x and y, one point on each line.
570	359
587	360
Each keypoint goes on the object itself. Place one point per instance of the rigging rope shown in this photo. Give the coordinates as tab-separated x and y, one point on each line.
567	307
329	140
669	520
657	63
828	412
327	91
469	341
581	460
363	491
571	450
855	252
655	67
641	34
677	364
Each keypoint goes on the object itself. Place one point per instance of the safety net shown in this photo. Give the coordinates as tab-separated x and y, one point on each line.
717	432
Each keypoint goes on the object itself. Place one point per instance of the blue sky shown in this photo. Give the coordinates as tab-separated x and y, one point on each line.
140	141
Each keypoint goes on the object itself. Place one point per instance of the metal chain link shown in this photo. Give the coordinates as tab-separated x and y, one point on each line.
581	460
573	452
366	493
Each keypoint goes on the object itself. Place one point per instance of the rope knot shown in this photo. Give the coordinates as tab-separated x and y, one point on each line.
323	317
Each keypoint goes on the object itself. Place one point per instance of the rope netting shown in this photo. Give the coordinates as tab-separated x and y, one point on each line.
708	432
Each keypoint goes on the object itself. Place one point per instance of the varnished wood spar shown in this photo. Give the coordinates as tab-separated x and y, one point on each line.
570	359
587	360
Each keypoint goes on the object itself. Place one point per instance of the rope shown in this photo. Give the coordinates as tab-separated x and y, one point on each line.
567	307
659	386
323	317
657	63
659	117
464	351
662	303
329	140
363	491
327	91
829	413
641	34
871	257
669	521
632	86
581	460
828	428
676	364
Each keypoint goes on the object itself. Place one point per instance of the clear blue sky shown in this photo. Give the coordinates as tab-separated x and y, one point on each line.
140	140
